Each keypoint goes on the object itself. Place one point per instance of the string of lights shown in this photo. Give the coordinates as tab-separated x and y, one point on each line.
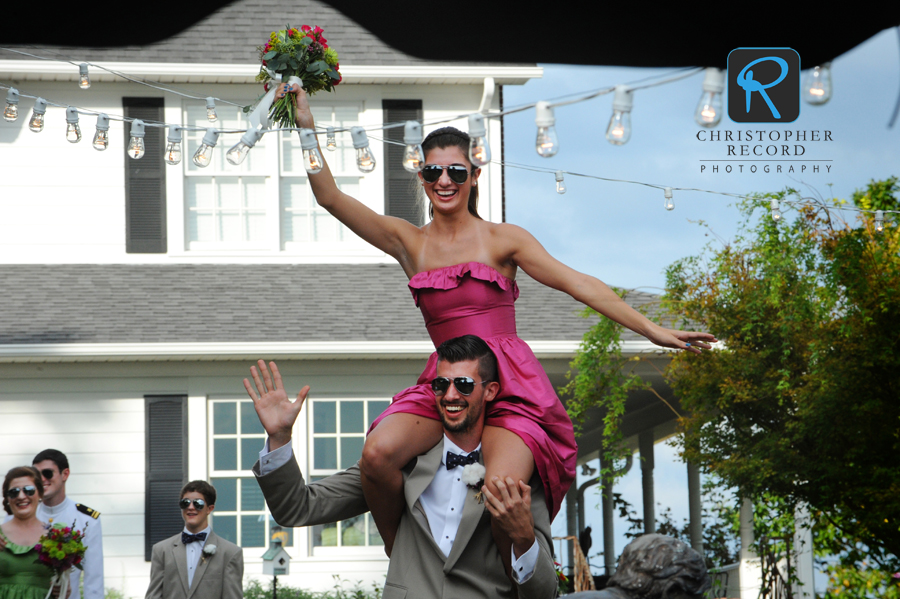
817	90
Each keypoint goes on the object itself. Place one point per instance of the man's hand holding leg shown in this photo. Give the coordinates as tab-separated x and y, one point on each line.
276	411
512	510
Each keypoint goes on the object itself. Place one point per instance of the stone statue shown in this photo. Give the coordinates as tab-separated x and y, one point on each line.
655	567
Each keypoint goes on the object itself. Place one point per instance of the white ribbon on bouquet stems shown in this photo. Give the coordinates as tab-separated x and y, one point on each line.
61	579
259	118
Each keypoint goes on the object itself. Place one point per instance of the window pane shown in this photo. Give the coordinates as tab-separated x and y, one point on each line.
226	494
374	538
324	227
225	527
229	192
250	452
250	424
253	531
199	192
325	451
228	226
375	410
255	226
324	417
251	496
254	192
325	535
224	418
351	450
225	451
352	417
353	532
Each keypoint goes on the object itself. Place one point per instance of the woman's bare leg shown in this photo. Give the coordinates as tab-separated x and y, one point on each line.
396	440
505	454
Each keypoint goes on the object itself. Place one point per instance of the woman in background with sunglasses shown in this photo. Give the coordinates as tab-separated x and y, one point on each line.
462	275
20	576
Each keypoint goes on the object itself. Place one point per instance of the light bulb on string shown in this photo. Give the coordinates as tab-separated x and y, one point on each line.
479	150
173	151
618	131
36	123
211	115
312	157
101	135
84	80
73	130
203	155
560	183
776	212
709	108
136	148
547	143
330	141
879	221
365	161
11	112
239	151
670	203
817	85
413	155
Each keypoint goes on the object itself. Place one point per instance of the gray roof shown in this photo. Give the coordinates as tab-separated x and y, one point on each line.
231	35
243	303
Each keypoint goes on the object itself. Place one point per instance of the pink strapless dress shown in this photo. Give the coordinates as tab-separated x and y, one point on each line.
475	299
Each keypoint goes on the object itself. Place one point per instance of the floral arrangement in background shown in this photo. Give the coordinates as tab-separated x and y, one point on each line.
61	548
299	53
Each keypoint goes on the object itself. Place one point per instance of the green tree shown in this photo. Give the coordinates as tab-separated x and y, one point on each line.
803	402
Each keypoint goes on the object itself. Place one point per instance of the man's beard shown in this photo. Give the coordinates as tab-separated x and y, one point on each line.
473	413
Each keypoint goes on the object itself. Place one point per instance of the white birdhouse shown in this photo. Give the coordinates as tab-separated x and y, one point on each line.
276	561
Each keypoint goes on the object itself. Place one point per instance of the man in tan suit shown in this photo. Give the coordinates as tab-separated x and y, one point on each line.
444	545
196	563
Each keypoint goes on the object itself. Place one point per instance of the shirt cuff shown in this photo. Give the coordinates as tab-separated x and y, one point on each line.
270	461
523	567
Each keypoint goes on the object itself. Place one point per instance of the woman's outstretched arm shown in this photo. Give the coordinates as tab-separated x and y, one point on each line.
523	250
392	235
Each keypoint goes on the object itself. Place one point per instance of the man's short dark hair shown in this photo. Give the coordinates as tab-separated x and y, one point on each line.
55	456
470	347
200	486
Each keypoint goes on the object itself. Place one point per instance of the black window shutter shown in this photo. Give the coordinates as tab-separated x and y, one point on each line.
145	181
400	186
165	418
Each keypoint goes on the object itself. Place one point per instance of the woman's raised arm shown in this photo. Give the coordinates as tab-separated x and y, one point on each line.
526	252
392	235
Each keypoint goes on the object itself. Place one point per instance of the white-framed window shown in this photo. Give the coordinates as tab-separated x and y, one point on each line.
228	207
337	432
235	438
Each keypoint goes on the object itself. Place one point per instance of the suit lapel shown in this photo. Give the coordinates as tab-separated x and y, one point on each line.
203	564
422	474
471	516
180	557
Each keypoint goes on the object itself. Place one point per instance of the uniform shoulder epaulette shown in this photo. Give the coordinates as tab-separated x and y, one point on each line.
87	511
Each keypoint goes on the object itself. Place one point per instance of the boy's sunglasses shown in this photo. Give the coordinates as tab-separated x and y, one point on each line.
47	473
433	172
14	492
465	385
186	503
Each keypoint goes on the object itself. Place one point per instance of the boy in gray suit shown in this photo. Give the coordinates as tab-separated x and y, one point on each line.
196	563
444	545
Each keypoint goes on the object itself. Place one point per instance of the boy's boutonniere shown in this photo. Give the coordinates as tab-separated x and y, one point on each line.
473	476
208	552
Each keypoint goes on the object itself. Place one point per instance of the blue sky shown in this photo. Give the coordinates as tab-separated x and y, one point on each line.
621	233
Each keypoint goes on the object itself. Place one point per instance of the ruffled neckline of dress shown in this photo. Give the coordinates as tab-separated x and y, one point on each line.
15	548
450	277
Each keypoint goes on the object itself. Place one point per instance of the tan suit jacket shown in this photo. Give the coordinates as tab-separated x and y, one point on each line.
218	576
418	568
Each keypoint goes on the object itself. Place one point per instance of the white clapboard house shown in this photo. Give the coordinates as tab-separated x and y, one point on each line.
136	295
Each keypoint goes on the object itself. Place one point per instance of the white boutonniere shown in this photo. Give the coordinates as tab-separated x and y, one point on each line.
473	476
208	552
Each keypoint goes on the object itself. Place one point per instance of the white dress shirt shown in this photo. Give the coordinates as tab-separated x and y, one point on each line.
194	553
442	501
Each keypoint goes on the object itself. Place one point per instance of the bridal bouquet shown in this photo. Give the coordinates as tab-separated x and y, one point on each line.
291	55
61	548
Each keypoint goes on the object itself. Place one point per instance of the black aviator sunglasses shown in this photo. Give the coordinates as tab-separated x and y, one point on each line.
186	503
465	385
432	172
14	492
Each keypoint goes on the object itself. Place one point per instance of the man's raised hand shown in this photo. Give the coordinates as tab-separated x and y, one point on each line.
512	511
276	411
